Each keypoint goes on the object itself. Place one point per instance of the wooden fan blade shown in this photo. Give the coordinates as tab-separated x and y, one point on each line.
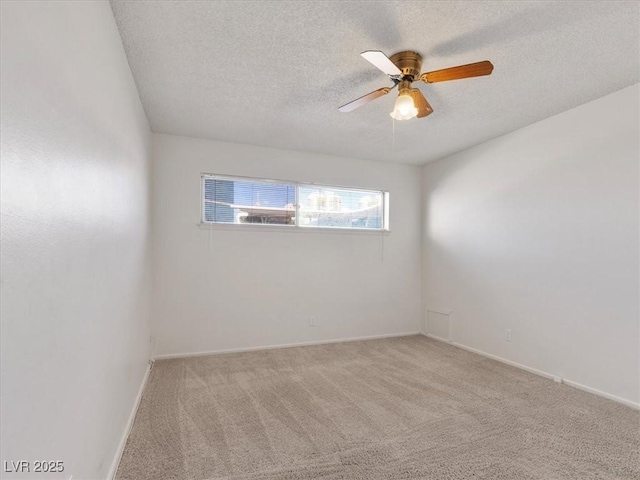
347	107
455	73
382	62
421	103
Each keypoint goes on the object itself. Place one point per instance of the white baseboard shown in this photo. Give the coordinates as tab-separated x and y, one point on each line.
285	345
600	393
127	429
550	376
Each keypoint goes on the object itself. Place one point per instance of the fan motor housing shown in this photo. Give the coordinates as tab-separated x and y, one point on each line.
410	63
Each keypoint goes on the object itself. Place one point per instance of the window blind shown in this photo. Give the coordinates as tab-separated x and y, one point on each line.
228	200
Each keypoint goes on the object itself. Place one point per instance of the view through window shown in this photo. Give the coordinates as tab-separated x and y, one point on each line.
256	201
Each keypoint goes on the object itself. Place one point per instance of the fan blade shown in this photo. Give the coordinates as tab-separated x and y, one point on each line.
454	73
382	62
421	103
347	107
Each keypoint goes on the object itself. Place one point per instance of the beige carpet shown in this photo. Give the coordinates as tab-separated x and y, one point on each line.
400	408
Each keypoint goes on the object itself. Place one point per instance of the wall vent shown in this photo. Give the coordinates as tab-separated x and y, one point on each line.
438	323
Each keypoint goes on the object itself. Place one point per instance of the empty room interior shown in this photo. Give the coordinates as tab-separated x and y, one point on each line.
288	240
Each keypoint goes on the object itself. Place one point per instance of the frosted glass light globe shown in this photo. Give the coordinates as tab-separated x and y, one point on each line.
404	109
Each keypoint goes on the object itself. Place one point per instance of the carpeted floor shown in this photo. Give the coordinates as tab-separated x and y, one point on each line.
398	408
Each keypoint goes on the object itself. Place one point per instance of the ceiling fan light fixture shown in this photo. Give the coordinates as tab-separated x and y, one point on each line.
403	68
404	108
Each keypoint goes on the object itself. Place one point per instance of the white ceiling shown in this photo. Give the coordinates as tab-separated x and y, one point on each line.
274	73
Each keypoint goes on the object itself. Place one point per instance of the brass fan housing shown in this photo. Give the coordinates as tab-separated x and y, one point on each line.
410	63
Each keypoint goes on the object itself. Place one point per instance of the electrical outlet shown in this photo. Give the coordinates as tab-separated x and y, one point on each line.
313	321
508	336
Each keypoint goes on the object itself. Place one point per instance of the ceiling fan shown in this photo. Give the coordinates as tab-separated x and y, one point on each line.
403	69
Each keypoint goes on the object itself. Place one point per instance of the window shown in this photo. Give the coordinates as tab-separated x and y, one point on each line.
340	208
228	200
257	201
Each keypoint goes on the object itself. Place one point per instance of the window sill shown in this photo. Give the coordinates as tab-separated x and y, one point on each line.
253	227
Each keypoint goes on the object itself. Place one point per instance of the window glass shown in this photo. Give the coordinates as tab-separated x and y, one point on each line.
322	206
248	201
257	201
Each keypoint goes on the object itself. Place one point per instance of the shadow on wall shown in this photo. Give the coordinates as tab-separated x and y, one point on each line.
466	185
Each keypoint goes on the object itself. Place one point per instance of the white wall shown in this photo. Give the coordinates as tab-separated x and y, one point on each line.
231	287
75	323
537	231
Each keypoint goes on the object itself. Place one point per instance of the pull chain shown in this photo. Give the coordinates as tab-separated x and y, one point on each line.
393	135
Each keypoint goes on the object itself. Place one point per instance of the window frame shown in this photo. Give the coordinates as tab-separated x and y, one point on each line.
297	185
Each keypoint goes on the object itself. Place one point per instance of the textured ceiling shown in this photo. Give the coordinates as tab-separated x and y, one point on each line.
274	73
